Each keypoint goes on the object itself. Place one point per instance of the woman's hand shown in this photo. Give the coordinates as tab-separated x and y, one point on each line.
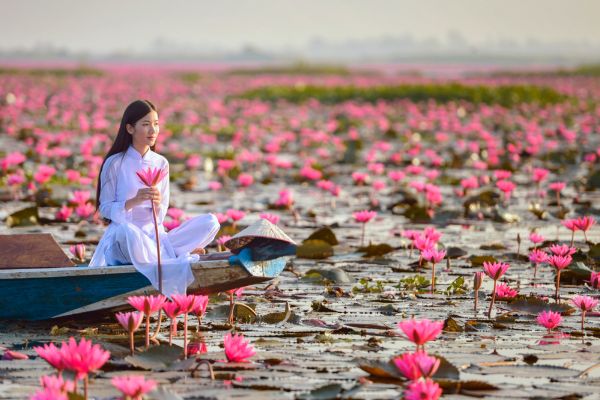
143	195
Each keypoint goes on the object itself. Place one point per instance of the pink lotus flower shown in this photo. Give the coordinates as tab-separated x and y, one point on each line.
572	225
221	218
562	250
504	292
272	218
585	304
494	270
187	304
57	383
235	215
172	310
51	354
175	213
152	176
359	178
85	210
200	305
537	257
78	251
245	180
560	263
434	256
595	280
133	386
363	217
80	197
535	238
148	305
285	200
49	394
131	322
14	355
215	185
539	174
44	173
420	331
584	224
549	319
64	213
83	358
416	365
557	186
506	187
237	348
423	390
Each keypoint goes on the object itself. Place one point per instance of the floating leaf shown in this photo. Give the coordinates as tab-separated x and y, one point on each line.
418	214
334	275
534	305
464	387
455	252
375	250
327	392
493	246
155	358
576	273
451	325
277	317
477	261
314	249
244	312
447	370
25	217
325	234
380	369
456	287
318	306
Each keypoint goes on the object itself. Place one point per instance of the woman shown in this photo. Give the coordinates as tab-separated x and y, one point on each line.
125	201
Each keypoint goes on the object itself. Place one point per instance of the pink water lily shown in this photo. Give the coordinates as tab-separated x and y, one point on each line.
416	365
78	251
363	217
186	304
549	319
537	257
585	304
434	256
237	348
83	358
560	263
584	224
133	386
422	390
420	331
148	305
494	270
131	322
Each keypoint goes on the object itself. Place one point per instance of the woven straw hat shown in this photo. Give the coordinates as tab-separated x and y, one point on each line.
261	228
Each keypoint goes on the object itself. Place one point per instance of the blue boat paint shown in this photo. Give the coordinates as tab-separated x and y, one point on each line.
47	297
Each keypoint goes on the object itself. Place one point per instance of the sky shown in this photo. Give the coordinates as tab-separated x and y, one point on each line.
104	26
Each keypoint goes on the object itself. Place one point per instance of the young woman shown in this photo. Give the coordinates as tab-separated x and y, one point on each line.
125	201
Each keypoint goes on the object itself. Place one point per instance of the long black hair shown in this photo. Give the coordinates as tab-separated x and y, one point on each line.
133	113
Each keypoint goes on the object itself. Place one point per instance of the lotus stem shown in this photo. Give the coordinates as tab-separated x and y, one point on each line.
185	325
85	387
131	344
362	236
433	278
493	300
476	301
556	295
157	248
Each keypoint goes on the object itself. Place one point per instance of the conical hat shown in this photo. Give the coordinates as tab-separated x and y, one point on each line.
261	228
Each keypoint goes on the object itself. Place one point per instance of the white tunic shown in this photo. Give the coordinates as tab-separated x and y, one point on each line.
130	237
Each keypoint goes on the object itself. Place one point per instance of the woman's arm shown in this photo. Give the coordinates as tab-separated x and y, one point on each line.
109	206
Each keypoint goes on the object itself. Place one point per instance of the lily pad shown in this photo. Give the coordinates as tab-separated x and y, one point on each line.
534	305
477	261
333	275
25	217
325	234
455	252
314	249
375	250
277	317
156	358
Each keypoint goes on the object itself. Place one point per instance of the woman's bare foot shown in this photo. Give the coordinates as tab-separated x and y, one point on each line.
199	250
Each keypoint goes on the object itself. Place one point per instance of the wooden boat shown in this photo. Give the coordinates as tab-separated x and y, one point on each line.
46	293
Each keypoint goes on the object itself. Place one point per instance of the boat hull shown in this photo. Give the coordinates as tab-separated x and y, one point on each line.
41	294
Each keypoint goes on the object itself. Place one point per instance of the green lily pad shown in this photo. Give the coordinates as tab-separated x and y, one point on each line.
477	261
156	358
534	305
25	217
314	249
375	250
325	234
333	275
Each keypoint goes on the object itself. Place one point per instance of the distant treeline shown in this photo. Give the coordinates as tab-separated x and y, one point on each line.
57	72
506	96
591	70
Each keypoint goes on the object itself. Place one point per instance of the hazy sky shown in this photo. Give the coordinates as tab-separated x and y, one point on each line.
108	25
